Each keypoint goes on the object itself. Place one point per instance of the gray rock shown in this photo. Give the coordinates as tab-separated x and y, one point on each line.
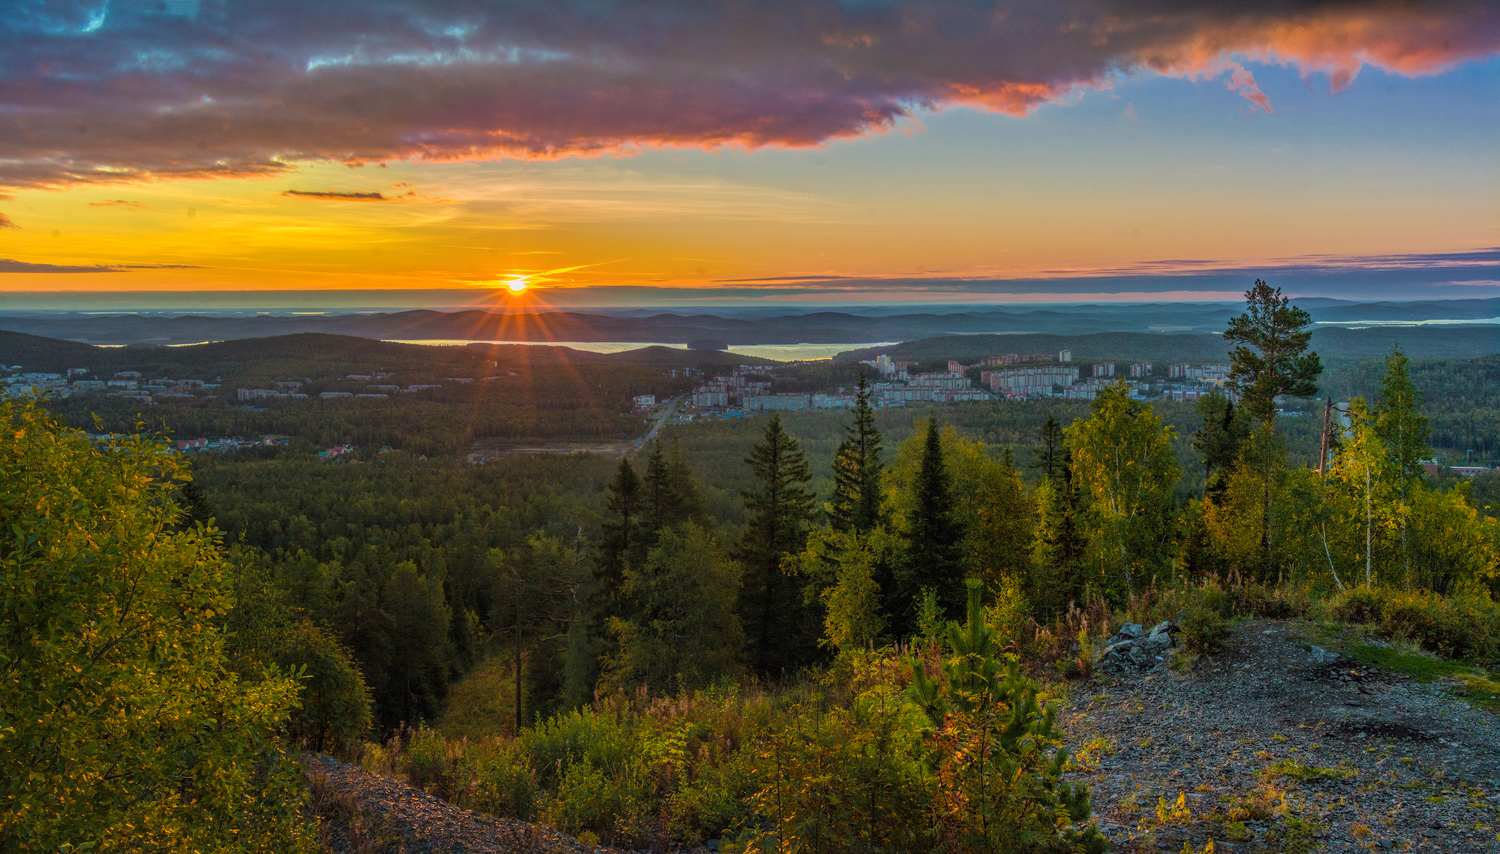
1159	641
1323	656
1129	630
1163	627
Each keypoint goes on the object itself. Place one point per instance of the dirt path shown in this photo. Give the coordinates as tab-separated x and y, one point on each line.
1264	748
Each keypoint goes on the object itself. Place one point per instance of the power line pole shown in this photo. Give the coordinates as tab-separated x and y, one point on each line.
1323	446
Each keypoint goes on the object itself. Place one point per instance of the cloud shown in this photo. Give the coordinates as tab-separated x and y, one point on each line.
119	203
252	88
8	265
340	197
6	223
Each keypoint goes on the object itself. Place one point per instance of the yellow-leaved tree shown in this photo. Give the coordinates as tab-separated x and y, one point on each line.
122	728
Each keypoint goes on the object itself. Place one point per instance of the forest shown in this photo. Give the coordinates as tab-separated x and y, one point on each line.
825	632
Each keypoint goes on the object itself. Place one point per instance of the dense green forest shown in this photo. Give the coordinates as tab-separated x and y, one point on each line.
847	630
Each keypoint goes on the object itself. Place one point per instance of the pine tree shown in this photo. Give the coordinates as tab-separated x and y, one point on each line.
856	504
781	510
934	536
1278	363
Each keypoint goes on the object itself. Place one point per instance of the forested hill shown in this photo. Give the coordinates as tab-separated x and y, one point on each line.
731	326
1332	343
299	354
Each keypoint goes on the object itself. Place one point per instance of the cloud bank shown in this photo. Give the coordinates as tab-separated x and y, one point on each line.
109	90
337	197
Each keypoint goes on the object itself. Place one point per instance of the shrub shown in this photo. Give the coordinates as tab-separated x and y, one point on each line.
1361	605
1204	629
1461	626
430	763
579	736
1465	625
496	779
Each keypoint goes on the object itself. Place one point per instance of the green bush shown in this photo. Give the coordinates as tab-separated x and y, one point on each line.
1465	625
428	762
583	736
497	780
1360	605
1204	629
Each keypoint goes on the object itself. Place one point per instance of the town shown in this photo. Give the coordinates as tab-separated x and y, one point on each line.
1015	376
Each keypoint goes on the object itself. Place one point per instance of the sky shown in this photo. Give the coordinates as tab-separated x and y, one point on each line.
702	151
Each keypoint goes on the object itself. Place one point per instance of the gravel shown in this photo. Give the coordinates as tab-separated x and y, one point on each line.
1382	762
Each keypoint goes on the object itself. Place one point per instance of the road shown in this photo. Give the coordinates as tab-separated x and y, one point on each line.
651	434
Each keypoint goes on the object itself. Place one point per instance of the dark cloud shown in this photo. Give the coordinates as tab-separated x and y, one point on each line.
6	223
339	197
94	91
118	203
8	265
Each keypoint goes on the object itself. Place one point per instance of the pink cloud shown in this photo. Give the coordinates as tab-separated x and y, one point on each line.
253	88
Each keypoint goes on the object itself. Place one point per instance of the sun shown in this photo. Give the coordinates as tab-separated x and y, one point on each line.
518	284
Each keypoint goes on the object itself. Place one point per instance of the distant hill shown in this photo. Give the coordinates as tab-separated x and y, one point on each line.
732	328
289	354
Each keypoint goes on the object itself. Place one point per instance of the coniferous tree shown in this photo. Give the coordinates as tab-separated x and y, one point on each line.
779	633
1219	440
620	532
1058	548
659	501
856	504
686	494
934	558
1049	454
1398	416
621	537
669	496
1270	357
1401	425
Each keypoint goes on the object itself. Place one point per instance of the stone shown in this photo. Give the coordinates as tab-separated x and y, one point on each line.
1129	630
1159	641
1165	626
1323	656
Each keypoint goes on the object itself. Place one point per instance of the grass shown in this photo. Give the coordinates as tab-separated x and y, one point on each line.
1481	687
1294	770
482	704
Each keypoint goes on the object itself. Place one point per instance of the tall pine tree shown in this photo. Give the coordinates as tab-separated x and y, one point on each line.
778	630
934	558
856	503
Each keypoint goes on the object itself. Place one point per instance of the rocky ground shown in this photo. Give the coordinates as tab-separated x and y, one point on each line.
1275	746
367	814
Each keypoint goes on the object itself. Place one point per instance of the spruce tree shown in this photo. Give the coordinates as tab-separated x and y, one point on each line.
620	531
669	496
621	540
1049	454
1398	416
934	558
781	509
856	503
1219	440
1399	422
